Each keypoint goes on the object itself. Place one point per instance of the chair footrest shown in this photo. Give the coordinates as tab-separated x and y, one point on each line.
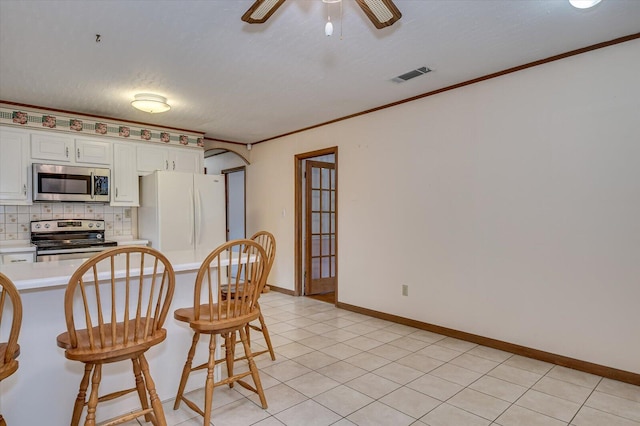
114	395
128	417
192	405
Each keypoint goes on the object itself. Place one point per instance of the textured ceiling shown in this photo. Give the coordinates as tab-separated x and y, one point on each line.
246	83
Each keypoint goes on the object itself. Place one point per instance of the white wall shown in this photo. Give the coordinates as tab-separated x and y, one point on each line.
216	163
510	207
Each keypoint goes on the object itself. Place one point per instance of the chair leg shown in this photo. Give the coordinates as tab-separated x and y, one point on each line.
140	386
82	395
267	339
2	422
96	377
230	351
156	404
252	367
186	370
209	384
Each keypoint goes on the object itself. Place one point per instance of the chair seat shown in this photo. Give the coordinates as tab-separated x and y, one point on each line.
7	369
111	353
206	324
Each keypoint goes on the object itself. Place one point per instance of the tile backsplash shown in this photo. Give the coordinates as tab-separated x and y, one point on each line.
15	220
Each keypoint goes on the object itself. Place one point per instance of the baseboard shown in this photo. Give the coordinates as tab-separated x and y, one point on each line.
282	290
576	364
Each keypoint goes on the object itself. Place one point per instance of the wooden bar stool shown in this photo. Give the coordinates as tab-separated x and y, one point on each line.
240	266
268	242
10	349
115	305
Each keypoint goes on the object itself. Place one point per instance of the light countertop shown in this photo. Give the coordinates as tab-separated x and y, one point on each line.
16	246
42	275
128	240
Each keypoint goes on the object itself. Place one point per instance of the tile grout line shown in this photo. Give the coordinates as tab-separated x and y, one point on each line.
400	385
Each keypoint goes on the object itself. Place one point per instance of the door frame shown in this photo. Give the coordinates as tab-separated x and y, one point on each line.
226	172
299	202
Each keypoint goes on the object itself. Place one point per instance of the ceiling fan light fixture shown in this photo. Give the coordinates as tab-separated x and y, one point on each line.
261	10
382	13
583	4
148	102
328	28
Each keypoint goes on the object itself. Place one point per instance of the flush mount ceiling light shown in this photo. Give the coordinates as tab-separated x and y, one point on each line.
148	102
583	4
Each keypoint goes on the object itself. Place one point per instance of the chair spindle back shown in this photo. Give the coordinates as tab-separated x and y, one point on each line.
10	349
121	295
238	265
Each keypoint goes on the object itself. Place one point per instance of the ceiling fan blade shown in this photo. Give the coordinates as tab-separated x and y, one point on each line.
382	13
261	10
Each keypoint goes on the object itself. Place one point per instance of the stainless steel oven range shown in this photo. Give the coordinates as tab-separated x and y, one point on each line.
68	238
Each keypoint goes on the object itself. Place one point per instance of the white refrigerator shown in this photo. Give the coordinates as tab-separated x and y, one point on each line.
181	211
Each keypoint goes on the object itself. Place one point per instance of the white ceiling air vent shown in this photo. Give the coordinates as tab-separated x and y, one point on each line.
411	74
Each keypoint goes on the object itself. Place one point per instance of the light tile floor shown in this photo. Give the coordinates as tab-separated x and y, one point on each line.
336	367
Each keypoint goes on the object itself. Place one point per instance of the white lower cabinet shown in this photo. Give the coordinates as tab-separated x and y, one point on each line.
25	257
124	176
15	179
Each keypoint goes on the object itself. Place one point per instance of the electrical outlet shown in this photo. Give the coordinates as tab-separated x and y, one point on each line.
405	290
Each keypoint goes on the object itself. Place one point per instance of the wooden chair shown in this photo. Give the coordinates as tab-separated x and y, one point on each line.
268	243
115	305
241	265
10	349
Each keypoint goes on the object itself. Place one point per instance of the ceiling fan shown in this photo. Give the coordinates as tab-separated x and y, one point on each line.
382	13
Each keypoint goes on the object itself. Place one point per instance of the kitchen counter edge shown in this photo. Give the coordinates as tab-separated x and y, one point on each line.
42	275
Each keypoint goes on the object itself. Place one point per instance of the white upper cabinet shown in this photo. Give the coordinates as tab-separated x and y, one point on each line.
124	187
186	160
54	147
64	148
19	148
15	178
151	158
93	151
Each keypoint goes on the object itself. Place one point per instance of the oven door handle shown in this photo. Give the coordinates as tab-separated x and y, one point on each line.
71	250
93	186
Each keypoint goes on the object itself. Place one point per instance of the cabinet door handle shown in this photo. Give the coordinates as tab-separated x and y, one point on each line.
78	153
174	165
166	163
116	192
66	152
24	189
17	260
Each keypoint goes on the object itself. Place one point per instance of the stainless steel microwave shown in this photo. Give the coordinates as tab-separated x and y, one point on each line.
52	182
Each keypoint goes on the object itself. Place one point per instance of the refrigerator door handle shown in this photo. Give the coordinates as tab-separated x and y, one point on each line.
198	217
191	224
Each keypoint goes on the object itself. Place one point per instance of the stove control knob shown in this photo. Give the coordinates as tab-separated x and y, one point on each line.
38	226
46	225
90	224
99	236
98	225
